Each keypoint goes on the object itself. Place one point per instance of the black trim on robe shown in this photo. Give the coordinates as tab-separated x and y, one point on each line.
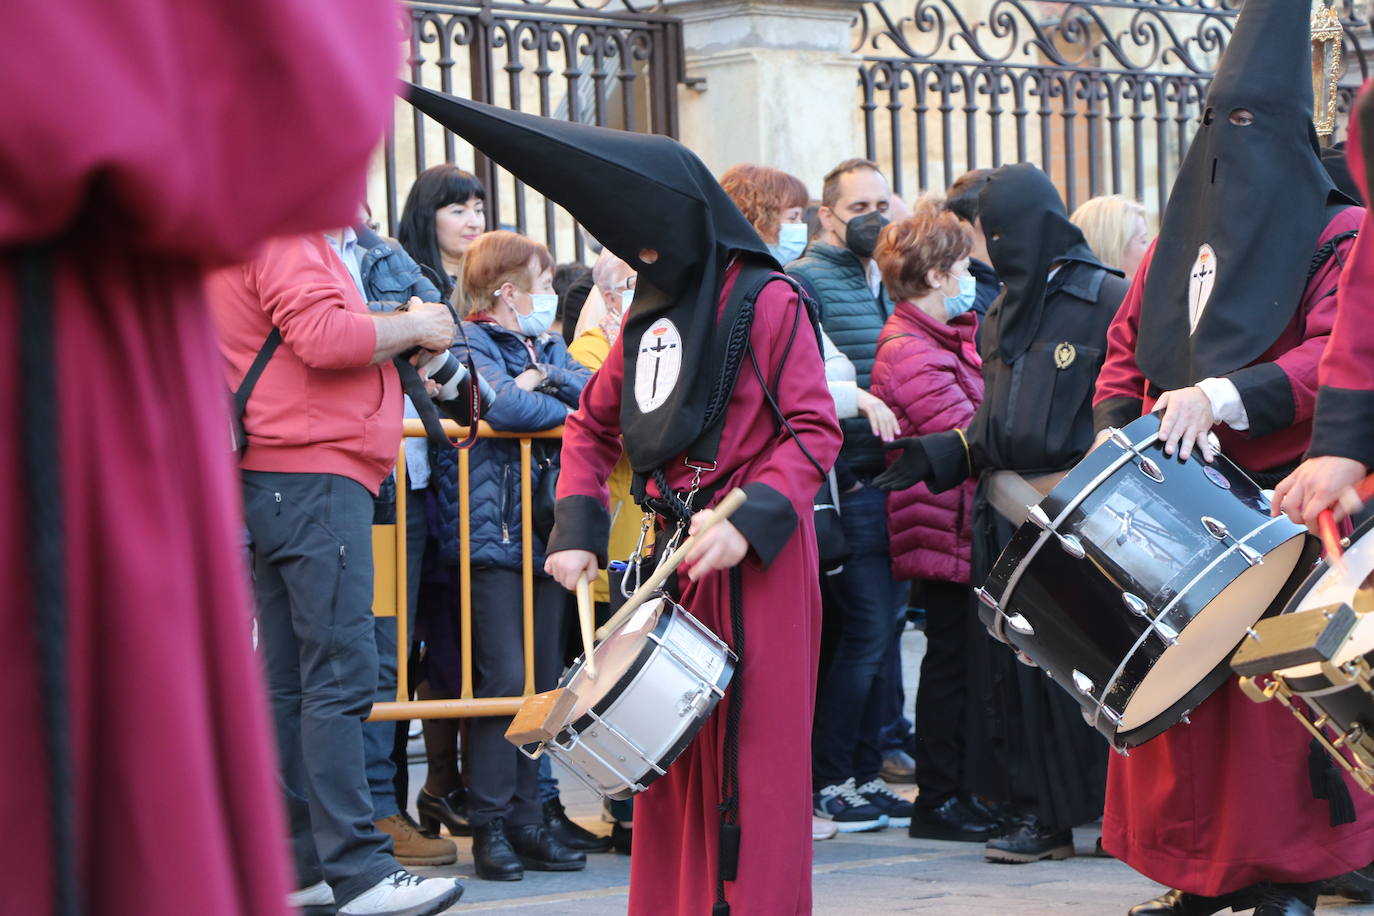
767	520
1117	412
581	523
1267	395
1344	424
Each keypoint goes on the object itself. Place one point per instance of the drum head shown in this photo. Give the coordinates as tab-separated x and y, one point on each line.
1349	581
614	656
1212	636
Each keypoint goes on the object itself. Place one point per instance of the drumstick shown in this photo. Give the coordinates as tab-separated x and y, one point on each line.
584	619
727	506
1326	521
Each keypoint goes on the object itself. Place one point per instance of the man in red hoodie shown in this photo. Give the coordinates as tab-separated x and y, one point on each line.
323	426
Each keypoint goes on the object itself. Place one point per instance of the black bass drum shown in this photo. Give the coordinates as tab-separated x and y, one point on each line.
1134	580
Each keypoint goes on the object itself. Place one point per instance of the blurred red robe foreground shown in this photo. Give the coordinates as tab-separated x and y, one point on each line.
673	868
145	140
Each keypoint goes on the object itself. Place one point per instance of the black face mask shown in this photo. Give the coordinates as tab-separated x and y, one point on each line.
861	233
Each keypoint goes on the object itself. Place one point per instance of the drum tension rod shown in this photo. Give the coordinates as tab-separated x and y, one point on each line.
1140	608
1145	463
1217	529
1069	542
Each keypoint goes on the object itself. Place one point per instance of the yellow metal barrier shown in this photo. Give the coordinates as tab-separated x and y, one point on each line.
390	587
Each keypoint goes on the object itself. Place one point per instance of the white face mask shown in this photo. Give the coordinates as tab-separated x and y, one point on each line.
791	242
626	297
543	308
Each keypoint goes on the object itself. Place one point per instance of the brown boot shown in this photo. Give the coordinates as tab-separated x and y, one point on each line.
411	847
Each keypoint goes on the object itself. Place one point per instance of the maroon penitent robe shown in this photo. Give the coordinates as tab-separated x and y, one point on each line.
1226	801
144	140
676	821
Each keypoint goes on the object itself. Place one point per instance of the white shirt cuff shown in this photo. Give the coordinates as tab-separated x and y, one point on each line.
1227	406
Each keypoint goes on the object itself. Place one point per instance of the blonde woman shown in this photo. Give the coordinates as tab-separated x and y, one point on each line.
1116	231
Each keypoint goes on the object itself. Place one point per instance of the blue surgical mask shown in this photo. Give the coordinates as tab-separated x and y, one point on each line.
543	308
791	243
957	305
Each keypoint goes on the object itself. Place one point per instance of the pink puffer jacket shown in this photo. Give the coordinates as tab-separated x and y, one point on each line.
929	373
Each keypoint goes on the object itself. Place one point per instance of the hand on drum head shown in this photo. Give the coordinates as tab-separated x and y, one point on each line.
567	566
722	547
1321	483
1187	421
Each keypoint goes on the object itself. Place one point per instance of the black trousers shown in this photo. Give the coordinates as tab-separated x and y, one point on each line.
942	692
502	782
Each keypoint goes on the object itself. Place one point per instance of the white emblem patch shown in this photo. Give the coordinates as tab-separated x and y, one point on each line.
658	366
1200	281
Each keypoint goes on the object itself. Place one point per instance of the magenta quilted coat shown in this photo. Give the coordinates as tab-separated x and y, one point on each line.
929	373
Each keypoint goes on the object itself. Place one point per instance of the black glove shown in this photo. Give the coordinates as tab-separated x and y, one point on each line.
911	468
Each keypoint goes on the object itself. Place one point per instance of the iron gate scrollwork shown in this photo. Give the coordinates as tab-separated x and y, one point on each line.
1104	96
614	63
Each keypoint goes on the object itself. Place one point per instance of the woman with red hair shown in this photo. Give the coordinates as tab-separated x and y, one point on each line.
929	373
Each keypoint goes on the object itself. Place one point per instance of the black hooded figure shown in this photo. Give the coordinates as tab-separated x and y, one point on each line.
716	382
1246	211
1027	747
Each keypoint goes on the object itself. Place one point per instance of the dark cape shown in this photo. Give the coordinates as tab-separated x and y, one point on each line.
1245	212
1042	345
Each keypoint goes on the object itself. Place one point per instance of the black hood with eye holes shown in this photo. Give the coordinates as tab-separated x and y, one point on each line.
1246	210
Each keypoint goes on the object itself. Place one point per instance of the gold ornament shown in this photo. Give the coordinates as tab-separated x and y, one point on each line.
1327	36
1064	355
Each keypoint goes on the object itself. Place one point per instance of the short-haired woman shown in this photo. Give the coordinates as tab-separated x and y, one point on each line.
1116	231
507	304
928	371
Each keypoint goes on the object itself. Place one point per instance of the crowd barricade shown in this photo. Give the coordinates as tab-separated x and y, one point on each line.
390	587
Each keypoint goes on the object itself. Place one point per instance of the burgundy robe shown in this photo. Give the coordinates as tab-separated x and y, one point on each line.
1226	802
160	127
1344	424
674	864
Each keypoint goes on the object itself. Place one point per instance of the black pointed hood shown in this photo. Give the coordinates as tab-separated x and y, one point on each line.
1245	212
632	192
1027	230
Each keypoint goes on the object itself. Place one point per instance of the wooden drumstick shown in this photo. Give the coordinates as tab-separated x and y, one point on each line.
727	506
586	622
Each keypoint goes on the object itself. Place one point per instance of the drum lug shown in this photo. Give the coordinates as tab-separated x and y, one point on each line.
1083	683
1020	624
1150	469
1070	543
1217	529
1135	604
1037	517
986	597
1166	632
1072	546
1147	465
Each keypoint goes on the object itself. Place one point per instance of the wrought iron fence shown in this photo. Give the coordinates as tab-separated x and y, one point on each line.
614	63
1102	95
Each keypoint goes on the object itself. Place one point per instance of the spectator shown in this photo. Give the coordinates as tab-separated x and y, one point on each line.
444	212
838	270
508	303
929	371
774	202
962	201
387	278
307	489
1115	229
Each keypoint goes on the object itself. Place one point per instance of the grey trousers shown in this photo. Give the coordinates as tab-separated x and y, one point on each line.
502	782
312	568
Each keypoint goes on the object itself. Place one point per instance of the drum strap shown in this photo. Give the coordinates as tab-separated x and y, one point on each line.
727	858
1327	784
42	461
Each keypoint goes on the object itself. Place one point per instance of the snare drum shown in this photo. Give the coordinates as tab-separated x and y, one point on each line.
1337	692
658	677
1133	581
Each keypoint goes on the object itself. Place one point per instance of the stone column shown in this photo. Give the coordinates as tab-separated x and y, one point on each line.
774	82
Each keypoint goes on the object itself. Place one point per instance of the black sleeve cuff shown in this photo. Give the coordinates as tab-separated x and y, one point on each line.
1116	412
581	523
1343	425
1267	396
950	464
766	520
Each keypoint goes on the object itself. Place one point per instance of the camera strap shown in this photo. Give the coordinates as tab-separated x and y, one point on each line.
414	387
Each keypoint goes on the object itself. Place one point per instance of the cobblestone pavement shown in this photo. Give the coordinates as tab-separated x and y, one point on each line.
870	874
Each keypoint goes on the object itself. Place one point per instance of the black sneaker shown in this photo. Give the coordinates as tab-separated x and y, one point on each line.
1357	885
850	811
897	809
1031	841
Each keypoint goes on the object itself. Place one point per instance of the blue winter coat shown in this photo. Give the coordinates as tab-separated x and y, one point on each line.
500	355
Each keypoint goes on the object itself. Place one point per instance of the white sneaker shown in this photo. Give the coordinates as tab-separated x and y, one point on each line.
317	894
822	829
403	894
